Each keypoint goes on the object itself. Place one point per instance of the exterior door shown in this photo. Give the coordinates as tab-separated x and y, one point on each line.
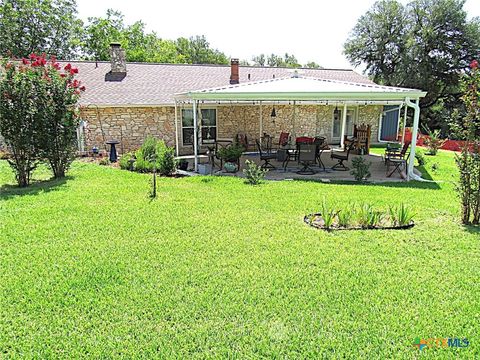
338	122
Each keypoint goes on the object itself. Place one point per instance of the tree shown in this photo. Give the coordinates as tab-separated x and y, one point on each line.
259	60
281	61
38	119
141	46
313	65
100	32
378	41
18	119
49	26
424	44
468	162
58	116
197	50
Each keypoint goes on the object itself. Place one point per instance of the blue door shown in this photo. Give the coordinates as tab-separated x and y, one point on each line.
389	126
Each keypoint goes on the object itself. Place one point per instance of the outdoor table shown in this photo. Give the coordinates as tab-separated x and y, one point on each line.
113	150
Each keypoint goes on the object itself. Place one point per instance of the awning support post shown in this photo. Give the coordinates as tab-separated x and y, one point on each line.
416	120
261	121
176	130
344	125
195	135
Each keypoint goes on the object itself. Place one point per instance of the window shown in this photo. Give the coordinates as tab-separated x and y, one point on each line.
208	121
209	125
187	126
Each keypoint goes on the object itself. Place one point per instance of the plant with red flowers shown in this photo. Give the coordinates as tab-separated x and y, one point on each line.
468	161
38	114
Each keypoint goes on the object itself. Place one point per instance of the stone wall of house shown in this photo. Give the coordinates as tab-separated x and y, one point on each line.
131	125
369	114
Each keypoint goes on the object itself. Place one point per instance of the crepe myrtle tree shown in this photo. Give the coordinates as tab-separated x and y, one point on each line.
468	162
38	114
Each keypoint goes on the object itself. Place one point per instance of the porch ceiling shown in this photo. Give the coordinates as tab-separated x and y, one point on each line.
302	88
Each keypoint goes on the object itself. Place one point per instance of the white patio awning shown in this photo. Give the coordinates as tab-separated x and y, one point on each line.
302	88
308	89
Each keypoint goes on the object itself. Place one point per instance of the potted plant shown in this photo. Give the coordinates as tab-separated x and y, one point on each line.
230	155
183	164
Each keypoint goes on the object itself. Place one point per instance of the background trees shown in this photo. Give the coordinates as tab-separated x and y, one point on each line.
288	60
49	26
52	27
425	44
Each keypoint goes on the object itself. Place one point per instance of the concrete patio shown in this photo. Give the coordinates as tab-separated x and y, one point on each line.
378	169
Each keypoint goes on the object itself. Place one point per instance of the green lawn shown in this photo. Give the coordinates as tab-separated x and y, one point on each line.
91	267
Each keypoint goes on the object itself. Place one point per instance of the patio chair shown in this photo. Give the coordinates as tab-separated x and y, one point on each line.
394	152
399	165
284	136
266	143
266	156
219	144
341	158
242	139
360	138
307	155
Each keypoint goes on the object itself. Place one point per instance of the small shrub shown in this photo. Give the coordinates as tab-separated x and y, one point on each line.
154	153
104	162
254	174
126	161
420	156
433	141
400	215
231	153
361	168
148	148
167	164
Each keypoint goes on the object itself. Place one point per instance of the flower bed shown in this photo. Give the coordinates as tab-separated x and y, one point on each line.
361	217
316	221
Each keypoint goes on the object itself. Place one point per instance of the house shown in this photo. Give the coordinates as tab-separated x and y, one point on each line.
129	101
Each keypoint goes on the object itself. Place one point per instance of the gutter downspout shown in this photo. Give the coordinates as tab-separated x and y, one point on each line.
416	119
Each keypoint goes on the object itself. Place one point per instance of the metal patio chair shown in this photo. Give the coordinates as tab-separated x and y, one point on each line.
341	157
307	155
266	156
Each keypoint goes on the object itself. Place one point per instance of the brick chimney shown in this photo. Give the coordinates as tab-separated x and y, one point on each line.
234	75
118	63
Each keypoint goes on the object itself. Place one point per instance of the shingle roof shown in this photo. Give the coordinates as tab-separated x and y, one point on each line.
156	84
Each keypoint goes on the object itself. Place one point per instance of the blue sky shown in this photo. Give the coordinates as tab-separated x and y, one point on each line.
311	30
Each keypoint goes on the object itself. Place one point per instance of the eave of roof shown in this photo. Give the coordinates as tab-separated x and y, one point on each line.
302	88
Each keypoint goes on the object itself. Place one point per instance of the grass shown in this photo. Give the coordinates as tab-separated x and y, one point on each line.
92	267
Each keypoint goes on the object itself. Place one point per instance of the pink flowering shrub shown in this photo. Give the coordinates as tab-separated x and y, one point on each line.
39	114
